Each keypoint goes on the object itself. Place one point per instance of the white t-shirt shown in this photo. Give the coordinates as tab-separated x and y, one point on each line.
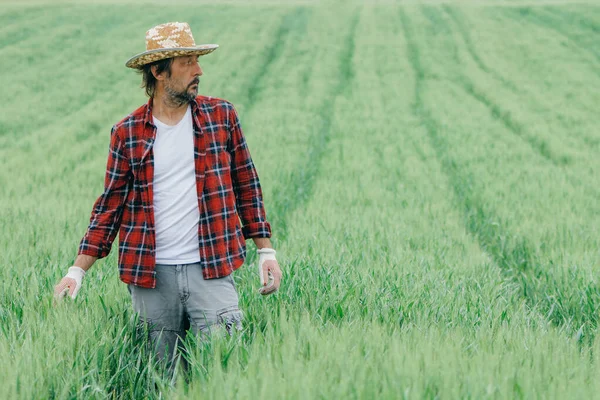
176	212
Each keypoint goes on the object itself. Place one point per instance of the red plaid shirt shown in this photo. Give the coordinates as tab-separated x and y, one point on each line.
226	182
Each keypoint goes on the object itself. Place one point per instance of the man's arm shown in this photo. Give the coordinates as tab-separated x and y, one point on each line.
108	209
246	186
262	243
249	200
84	261
105	220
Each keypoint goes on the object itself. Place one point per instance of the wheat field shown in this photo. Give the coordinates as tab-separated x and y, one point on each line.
430	170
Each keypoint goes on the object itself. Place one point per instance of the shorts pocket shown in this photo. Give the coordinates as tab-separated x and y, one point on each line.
231	318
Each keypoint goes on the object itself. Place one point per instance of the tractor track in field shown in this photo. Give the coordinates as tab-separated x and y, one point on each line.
505	117
557	19
7	19
560	161
297	188
296	19
538	145
549	23
26	38
80	100
67	39
564	17
576	18
16	32
465	34
515	256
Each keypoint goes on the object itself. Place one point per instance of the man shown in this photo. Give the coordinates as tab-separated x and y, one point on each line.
179	179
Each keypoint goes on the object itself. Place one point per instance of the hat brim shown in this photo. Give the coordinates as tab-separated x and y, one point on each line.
147	57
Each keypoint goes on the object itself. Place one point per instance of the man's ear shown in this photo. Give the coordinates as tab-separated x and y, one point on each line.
158	77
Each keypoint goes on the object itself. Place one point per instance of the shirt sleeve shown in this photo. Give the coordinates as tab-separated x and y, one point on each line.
108	208
248	193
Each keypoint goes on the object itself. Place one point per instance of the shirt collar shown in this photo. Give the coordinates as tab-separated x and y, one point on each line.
148	117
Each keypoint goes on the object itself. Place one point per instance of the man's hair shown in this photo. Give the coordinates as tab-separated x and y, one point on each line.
148	79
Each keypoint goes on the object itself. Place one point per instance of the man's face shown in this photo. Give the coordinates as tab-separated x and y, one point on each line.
182	85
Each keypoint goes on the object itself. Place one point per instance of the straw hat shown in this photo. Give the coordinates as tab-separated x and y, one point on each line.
172	39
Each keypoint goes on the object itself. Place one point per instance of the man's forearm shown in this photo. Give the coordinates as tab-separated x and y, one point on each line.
262	243
84	261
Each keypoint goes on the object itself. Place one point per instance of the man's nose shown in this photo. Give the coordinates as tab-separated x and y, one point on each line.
198	70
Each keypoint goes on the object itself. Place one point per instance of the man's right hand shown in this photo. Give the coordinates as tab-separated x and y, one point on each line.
70	284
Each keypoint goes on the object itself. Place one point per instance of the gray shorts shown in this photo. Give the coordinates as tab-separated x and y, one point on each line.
183	300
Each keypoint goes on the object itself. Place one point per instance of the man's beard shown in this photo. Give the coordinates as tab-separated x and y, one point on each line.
179	98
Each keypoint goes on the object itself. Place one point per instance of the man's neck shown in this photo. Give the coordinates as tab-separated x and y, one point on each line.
166	111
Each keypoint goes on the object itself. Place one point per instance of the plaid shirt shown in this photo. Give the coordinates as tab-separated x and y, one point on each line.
226	181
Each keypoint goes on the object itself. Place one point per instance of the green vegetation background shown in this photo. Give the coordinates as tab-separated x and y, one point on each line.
430	171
